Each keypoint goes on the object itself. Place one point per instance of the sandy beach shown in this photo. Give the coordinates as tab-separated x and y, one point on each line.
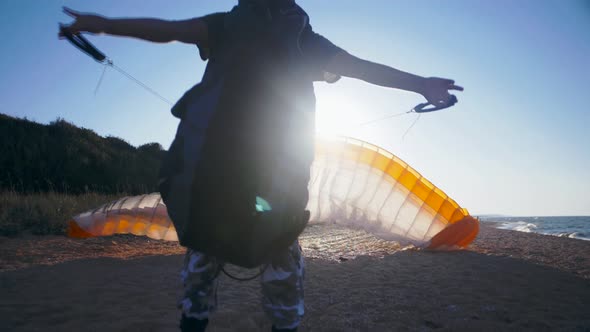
505	281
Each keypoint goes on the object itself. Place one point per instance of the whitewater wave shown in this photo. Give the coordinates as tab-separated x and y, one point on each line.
573	235
528	227
521	226
573	227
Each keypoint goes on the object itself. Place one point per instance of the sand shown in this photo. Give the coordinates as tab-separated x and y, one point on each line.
505	281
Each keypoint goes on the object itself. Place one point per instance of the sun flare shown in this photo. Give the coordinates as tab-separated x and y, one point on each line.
337	115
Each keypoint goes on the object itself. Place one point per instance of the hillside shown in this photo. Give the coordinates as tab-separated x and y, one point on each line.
61	157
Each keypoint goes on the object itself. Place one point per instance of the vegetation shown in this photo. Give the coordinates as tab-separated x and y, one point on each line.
61	157
49	173
45	213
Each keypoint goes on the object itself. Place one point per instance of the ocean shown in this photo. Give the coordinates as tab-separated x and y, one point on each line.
576	227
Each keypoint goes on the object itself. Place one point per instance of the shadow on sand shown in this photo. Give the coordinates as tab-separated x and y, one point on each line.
408	290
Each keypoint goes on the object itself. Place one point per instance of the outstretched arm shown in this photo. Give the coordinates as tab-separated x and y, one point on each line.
434	89
193	31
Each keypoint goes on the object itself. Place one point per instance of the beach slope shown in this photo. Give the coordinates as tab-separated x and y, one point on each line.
505	281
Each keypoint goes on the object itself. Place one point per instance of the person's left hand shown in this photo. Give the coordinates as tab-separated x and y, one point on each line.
83	22
436	90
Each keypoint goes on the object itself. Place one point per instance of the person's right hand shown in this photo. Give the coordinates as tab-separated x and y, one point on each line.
83	22
436	90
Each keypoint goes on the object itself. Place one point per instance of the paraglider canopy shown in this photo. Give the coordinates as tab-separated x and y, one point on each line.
353	183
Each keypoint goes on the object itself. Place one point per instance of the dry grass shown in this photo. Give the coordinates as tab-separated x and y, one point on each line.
44	213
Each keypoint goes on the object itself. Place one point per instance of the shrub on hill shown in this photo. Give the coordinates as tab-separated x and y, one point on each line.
61	157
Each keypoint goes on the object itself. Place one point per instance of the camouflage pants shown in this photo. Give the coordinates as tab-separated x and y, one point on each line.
282	286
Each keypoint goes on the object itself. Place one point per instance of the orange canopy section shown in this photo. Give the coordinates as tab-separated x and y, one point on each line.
138	215
358	184
353	183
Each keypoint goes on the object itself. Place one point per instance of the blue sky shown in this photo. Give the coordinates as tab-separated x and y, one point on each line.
517	143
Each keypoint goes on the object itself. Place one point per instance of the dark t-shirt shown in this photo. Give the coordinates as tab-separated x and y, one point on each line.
247	128
233	33
315	52
316	48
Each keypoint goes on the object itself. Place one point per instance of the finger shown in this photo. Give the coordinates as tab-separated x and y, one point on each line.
449	100
456	87
62	28
72	28
452	100
71	12
445	81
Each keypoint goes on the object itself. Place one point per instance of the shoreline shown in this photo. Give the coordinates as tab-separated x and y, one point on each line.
525	225
330	244
506	280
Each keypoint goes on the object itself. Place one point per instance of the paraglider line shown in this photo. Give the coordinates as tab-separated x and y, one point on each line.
85	46
104	70
411	126
385	118
147	88
247	278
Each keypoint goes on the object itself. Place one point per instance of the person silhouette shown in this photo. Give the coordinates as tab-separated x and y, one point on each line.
266	31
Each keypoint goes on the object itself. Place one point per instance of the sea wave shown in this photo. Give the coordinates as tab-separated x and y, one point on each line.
521	226
573	227
573	235
528	227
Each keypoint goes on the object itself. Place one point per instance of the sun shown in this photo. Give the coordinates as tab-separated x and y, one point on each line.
337	115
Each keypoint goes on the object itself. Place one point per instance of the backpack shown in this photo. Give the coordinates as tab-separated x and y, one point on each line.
235	177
